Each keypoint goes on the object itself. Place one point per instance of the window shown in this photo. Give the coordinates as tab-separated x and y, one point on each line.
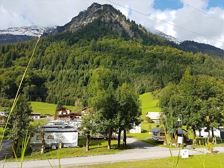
50	137
38	137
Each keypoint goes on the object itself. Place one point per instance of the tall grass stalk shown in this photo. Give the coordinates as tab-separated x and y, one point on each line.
18	92
59	159
164	125
25	142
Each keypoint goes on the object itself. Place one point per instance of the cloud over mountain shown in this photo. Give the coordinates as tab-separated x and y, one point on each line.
194	21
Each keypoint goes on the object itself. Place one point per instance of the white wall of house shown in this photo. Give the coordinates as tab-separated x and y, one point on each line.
136	129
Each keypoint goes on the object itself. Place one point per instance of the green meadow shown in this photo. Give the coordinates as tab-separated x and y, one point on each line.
47	108
149	103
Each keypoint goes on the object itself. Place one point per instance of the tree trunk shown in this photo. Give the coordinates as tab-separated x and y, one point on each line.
87	142
194	138
119	138
199	132
125	138
209	135
109	138
194	132
212	132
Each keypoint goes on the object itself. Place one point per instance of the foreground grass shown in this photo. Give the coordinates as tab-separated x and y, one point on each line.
2	108
47	108
1	132
200	161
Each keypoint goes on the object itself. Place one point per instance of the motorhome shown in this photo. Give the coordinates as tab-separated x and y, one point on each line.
53	134
158	134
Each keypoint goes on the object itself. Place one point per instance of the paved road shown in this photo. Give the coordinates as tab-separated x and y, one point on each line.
142	151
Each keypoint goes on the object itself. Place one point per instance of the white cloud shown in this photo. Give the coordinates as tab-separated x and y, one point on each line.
195	21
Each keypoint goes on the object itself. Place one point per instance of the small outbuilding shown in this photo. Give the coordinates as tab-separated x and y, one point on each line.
35	116
154	116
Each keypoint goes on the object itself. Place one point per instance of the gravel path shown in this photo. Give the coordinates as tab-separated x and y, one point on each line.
141	151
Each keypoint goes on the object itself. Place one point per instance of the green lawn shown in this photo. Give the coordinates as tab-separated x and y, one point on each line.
149	103
201	161
97	147
47	108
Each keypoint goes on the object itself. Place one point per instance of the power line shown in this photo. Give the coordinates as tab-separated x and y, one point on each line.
168	22
200	10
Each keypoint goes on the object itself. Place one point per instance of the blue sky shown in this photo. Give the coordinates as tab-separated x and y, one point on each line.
177	4
216	3
168	4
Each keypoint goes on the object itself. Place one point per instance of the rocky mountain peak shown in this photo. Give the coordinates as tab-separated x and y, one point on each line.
104	13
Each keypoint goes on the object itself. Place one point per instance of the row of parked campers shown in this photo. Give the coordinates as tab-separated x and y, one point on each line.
54	134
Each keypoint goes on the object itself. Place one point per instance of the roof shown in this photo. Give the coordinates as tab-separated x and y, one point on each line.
35	114
154	115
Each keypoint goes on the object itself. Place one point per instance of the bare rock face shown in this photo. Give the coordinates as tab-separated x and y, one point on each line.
103	13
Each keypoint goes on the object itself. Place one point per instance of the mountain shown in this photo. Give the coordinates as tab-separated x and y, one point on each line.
100	37
16	34
9	38
168	37
196	47
104	20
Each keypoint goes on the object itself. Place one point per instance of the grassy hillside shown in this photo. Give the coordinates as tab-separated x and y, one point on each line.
47	108
149	103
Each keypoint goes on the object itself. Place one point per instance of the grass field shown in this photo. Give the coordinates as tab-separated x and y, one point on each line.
97	147
47	108
201	161
148	103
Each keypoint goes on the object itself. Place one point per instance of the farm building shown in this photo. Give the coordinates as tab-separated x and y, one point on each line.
66	115
154	116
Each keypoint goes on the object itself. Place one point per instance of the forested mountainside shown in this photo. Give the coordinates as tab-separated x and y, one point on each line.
203	48
64	60
9	38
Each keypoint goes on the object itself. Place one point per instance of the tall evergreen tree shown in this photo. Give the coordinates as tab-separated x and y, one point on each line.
19	123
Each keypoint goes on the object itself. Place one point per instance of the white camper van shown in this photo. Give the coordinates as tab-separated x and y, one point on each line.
54	134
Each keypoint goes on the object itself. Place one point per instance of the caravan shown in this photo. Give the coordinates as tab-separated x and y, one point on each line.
53	134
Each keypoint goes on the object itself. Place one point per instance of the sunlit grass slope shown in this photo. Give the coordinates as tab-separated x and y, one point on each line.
149	103
47	108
